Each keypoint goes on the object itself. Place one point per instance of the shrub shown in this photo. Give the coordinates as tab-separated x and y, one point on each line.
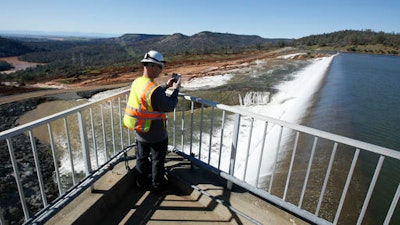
5	66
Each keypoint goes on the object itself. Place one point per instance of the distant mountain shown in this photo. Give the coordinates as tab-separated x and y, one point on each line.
203	42
128	46
43	34
137	44
132	38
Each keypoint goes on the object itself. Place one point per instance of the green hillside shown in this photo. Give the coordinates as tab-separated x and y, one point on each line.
10	47
354	41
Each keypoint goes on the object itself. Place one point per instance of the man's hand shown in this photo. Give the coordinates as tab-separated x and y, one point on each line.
170	82
176	84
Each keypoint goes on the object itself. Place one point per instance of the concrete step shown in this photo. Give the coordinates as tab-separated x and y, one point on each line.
192	196
169	207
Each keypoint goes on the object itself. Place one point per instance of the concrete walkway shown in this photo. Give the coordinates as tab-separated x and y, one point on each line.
193	196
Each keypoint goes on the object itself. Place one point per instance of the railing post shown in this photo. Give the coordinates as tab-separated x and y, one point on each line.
211	134
174	131
103	127
183	129
221	141
55	158
234	145
94	138
71	158
191	127
392	206
112	126
128	130
38	170
18	179
120	123
201	129
85	144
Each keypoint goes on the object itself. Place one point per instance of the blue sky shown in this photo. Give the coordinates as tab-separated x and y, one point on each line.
268	19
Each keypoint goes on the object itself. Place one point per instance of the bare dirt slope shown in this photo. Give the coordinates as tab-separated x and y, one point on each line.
189	70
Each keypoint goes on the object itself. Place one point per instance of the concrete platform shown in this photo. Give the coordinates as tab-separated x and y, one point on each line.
193	196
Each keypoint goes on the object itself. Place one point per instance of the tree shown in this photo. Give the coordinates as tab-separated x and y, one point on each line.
281	44
5	66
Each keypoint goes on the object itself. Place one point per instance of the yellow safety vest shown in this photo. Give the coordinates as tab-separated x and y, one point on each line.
139	111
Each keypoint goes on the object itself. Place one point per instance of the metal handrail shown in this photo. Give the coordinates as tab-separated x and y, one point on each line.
29	126
9	134
185	135
266	193
304	129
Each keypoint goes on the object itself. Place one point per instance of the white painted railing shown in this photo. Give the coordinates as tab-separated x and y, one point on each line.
310	173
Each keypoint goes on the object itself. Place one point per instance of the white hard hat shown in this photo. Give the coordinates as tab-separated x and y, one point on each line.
153	57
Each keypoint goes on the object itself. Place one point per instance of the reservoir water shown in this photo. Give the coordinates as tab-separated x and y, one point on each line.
363	92
360	99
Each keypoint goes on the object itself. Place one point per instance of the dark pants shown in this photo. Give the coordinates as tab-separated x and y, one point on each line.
156	167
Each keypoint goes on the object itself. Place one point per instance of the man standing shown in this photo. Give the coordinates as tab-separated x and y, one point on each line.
145	113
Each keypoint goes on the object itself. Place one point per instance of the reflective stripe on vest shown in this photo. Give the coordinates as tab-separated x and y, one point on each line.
139	111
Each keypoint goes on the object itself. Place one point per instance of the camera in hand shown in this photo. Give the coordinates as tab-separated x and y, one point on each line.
176	77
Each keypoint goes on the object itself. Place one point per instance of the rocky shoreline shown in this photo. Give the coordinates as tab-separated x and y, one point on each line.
10	207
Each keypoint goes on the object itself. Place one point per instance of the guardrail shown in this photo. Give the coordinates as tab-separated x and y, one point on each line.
313	174
80	140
